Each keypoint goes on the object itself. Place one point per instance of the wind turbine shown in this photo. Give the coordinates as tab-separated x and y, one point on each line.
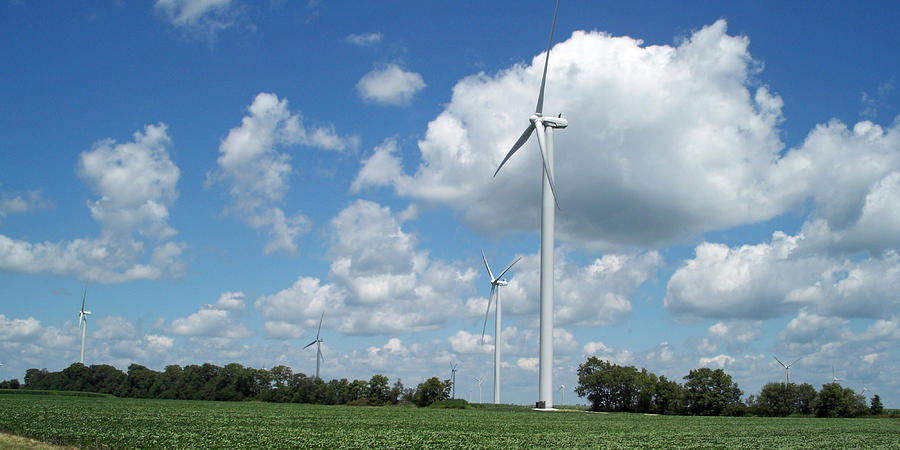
496	282
82	322
480	381
453	378
562	388
318	342
834	379
543	126
787	369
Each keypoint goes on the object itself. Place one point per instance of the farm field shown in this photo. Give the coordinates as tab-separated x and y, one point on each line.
135	423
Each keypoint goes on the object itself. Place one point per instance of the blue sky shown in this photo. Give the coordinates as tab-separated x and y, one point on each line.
221	172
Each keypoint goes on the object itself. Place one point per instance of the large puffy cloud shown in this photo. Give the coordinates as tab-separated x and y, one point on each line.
594	295
390	85
772	279
136	182
258	174
662	141
380	281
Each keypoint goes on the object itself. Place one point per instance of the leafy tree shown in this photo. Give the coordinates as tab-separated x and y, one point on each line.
105	379
776	399
138	383
708	392
432	390
379	390
668	397
76	378
876	408
805	396
837	401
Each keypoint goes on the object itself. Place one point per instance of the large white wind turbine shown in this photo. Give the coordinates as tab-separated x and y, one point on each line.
318	342
543	126
787	369
496	282
82	322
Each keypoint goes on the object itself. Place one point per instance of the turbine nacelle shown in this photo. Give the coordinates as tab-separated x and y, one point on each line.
549	121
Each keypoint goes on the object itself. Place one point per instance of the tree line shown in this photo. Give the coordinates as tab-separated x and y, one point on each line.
232	382
708	392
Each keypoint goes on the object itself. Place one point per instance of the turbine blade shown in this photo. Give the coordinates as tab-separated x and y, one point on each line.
319	354
486	266
779	361
542	143
540	102
522	139
311	343
507	268
798	359
83	297
320	325
487	312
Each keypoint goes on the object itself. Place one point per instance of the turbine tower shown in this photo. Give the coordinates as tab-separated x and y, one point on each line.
496	282
82	322
787	369
453	378
543	126
318	342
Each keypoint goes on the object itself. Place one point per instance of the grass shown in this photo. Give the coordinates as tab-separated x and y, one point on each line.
134	423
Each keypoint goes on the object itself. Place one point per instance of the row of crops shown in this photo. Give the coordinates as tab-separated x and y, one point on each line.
137	423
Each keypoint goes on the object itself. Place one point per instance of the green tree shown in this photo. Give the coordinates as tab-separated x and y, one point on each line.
379	390
829	399
776	399
708	392
805	399
432	390
105	378
668	397
876	408
76	377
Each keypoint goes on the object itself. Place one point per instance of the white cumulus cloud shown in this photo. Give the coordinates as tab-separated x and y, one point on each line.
390	85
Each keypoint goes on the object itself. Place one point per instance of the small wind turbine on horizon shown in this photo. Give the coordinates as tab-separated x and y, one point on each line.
787	369
480	381
562	388
453	378
318	342
834	379
543	126
82	322
496	282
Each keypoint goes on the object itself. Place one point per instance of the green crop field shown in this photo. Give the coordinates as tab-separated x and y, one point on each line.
133	423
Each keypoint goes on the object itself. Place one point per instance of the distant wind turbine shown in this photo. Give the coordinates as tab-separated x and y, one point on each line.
82	322
480	381
543	126
562	400
453	378
318	342
787	369
834	379
496	282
